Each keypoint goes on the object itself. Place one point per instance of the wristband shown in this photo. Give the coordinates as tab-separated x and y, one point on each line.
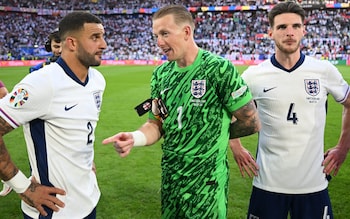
19	183
139	138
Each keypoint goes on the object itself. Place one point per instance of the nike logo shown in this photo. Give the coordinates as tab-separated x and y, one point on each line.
268	89
66	108
163	91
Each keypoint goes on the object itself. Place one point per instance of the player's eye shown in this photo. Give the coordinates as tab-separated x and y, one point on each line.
281	27
96	37
297	26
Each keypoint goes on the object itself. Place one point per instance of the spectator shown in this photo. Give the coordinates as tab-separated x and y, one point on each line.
53	44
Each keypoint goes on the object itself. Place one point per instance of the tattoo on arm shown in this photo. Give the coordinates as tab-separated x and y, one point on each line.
7	168
158	124
4	127
247	122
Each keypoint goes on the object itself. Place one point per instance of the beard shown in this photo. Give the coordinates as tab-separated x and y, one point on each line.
86	58
288	49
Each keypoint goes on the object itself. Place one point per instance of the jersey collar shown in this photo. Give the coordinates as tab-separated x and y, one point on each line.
278	65
70	73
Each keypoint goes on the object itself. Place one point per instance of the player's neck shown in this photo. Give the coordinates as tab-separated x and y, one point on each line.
189	57
287	60
77	68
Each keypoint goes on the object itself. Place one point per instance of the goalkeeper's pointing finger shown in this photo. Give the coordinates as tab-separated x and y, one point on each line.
120	137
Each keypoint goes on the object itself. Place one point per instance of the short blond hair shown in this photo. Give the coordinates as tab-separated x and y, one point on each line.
180	13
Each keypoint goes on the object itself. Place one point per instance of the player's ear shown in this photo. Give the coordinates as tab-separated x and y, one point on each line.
304	30
188	31
71	42
269	32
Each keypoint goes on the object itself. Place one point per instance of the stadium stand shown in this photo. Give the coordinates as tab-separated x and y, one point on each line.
236	34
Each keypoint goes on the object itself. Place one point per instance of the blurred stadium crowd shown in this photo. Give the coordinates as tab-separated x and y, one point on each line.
237	35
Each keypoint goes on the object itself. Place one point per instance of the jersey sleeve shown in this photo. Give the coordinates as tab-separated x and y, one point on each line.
29	100
232	89
336	85
155	88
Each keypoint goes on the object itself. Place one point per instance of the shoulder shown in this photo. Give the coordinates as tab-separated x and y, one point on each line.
315	64
37	86
216	65
96	77
266	64
46	77
253	72
165	67
314	61
48	71
96	73
211	58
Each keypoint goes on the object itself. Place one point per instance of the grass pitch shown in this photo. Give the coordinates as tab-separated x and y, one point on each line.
130	186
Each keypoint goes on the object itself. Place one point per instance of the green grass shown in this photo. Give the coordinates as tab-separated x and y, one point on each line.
130	186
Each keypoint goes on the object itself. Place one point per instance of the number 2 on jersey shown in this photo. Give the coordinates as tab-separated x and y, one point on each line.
91	131
292	116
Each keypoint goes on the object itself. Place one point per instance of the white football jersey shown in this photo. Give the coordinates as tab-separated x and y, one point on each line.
59	116
292	109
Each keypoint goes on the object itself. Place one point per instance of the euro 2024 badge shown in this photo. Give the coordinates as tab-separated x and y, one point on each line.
19	97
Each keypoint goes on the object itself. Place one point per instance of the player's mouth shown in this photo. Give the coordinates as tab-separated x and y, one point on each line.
290	41
166	51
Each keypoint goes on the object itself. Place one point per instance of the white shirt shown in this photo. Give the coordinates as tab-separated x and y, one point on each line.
292	109
59	116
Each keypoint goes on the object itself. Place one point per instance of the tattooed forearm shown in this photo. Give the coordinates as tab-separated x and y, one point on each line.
247	121
7	168
4	127
240	129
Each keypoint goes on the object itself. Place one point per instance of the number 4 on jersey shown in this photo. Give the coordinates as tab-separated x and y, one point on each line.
292	116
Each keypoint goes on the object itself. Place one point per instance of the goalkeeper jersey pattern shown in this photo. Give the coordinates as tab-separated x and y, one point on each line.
200	99
292	110
59	115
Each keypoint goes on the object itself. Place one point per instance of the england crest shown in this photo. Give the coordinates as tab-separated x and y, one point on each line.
98	99
198	88
312	86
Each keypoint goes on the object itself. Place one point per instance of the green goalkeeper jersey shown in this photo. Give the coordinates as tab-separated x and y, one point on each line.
199	99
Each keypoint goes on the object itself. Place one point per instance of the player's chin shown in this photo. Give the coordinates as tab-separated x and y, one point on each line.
170	57
97	62
98	58
290	49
